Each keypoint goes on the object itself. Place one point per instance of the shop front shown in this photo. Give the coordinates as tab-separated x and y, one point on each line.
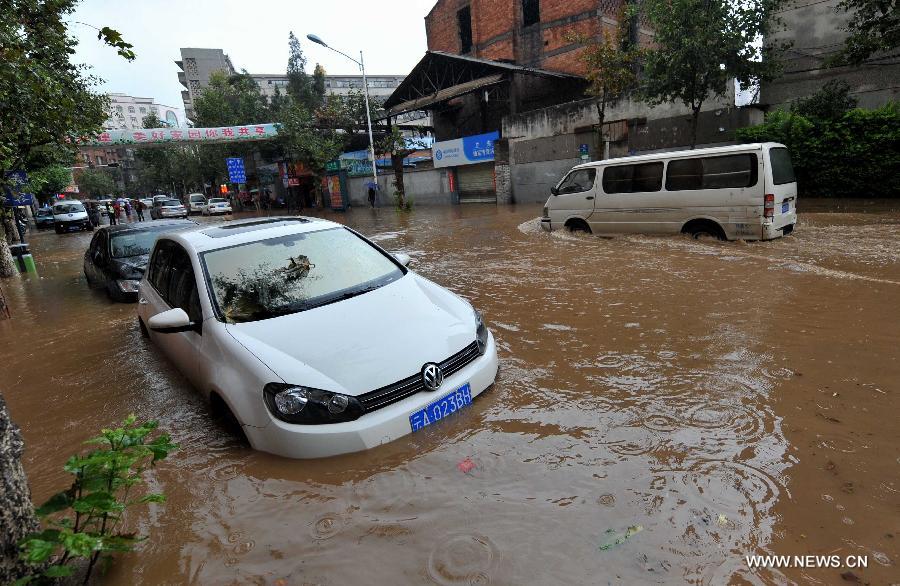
471	161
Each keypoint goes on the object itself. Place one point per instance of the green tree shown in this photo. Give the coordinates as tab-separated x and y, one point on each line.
399	146
610	62
95	183
44	183
700	46
874	27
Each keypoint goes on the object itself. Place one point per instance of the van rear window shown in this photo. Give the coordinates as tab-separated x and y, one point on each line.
782	170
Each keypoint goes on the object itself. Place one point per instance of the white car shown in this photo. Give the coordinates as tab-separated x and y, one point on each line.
196	201
316	340
69	214
216	205
168	208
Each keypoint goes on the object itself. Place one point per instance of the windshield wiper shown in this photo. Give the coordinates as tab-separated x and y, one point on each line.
350	294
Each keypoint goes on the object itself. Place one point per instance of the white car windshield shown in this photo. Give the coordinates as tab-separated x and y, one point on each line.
68	208
171	203
289	274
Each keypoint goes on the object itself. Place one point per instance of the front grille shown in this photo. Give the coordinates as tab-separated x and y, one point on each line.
411	385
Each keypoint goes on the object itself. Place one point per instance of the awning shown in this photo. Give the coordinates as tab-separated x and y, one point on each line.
446	94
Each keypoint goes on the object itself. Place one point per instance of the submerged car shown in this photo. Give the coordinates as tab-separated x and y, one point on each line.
118	254
43	219
168	208
216	205
70	215
315	339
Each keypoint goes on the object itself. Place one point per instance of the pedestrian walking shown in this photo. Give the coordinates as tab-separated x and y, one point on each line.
117	210
128	210
94	214
372	195
140	210
111	214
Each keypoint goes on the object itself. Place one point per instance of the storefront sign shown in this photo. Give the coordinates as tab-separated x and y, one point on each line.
464	151
249	132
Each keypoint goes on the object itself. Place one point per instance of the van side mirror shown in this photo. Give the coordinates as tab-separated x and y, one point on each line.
554	190
173	321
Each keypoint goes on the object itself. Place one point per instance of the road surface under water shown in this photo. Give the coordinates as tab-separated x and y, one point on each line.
707	400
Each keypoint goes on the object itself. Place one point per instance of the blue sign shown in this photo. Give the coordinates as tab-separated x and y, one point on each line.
236	172
18	199
464	151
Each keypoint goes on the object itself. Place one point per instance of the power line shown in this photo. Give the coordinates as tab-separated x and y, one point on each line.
802	6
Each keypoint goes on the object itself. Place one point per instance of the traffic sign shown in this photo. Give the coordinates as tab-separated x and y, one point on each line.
236	172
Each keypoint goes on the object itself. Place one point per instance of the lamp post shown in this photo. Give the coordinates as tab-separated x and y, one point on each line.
362	67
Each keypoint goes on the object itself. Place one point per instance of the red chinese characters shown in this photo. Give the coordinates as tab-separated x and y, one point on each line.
228	132
212	133
157	135
260	130
194	134
104	137
176	134
243	131
140	136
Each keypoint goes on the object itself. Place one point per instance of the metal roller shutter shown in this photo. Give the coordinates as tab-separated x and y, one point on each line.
476	183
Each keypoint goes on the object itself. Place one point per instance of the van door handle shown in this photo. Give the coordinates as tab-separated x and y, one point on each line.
589	197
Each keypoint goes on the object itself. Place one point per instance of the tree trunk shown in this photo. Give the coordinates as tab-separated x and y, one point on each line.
397	164
16	511
4	308
601	116
695	120
7	264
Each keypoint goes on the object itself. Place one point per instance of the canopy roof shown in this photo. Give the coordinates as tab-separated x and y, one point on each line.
441	76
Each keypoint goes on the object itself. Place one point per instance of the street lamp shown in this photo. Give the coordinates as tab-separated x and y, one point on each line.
362	67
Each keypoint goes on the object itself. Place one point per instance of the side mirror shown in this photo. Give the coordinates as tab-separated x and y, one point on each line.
172	321
403	259
554	190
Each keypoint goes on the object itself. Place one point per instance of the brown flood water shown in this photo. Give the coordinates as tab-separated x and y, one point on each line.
730	399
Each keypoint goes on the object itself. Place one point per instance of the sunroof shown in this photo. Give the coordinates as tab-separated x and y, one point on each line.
233	228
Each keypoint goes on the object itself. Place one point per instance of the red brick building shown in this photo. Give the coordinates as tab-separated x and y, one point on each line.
525	32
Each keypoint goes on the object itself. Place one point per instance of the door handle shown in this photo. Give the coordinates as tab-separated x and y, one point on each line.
589	197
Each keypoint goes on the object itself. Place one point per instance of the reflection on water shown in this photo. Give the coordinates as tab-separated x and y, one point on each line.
710	393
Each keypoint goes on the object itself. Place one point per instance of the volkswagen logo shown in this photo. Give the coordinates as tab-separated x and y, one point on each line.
432	376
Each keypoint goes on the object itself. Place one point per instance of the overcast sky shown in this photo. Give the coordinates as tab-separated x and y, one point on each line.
254	33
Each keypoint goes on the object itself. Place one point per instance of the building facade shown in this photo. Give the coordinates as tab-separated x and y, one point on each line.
128	112
196	66
532	33
816	32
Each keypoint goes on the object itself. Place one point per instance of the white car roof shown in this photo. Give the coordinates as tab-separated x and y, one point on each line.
205	238
737	148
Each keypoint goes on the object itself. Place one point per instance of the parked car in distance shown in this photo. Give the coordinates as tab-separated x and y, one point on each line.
117	256
383	353
157	198
43	219
195	203
147	201
69	215
216	205
744	192
168	208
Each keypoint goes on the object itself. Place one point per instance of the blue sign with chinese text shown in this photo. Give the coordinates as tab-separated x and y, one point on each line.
236	172
464	151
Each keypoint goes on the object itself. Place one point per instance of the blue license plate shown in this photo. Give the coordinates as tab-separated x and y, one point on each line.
437	410
785	207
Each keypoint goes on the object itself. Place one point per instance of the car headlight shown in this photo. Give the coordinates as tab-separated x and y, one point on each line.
481	332
306	406
128	285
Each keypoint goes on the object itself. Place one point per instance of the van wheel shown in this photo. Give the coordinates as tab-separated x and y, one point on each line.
698	229
578	225
226	419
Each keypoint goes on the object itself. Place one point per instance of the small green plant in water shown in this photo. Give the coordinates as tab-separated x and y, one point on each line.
83	524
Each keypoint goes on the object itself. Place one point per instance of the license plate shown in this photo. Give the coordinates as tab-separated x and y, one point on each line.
785	207
437	410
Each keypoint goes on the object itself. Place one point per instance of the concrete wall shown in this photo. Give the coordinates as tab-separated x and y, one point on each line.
423	188
816	31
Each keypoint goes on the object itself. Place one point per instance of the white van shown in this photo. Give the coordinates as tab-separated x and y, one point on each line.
734	192
69	214
196	201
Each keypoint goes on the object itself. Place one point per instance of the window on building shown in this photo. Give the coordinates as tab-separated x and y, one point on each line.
119	108
531	12
712	172
639	178
134	120
464	17
143	110
131	109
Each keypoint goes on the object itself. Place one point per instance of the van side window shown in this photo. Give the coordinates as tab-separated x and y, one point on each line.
725	172
578	181
159	266
182	291
636	178
782	170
